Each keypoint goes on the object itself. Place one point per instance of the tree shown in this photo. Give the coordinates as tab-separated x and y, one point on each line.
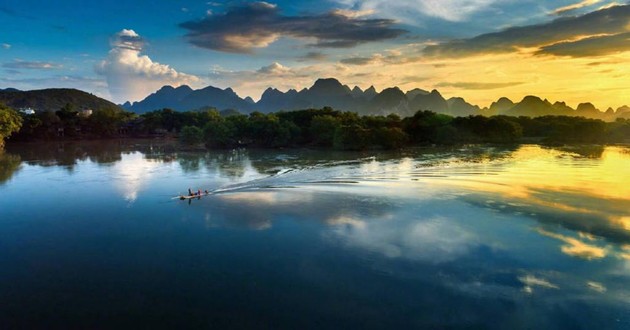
191	135
10	122
219	134
323	129
390	137
352	137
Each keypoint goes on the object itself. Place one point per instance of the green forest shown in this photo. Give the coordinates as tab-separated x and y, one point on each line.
325	128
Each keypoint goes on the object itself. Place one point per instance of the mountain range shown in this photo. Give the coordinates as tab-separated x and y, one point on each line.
332	93
324	92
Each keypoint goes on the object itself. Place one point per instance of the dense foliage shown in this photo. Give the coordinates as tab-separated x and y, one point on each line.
10	122
323	128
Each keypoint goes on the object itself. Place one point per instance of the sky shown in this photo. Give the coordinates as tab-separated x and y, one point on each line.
563	50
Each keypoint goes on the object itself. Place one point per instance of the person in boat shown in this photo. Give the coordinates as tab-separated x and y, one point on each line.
199	192
206	191
190	193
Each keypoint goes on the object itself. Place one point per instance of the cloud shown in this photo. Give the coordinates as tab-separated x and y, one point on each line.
6	46
274	69
250	82
131	76
479	85
353	13
575	6
391	57
449	10
313	56
606	22
257	25
37	65
593	46
358	60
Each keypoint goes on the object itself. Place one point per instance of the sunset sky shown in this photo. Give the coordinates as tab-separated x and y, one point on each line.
563	50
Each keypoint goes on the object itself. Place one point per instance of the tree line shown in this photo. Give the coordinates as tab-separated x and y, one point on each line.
326	128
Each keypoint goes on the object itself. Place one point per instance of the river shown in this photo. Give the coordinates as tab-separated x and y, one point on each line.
92	235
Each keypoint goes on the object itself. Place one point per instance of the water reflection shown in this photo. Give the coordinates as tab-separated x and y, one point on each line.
577	151
466	237
257	209
9	165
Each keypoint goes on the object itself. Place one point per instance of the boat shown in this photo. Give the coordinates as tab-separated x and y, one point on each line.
184	197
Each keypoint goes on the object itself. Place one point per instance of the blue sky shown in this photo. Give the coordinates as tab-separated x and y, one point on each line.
479	49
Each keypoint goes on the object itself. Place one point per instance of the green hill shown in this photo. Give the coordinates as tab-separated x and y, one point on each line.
53	99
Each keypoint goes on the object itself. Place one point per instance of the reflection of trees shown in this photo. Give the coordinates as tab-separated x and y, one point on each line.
233	163
67	154
189	163
9	165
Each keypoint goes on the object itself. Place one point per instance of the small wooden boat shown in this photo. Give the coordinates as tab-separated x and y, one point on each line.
184	197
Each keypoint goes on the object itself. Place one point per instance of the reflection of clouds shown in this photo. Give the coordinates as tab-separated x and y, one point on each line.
563	186
258	208
531	281
265	198
346	221
576	248
131	174
254	223
624	222
435	240
596	286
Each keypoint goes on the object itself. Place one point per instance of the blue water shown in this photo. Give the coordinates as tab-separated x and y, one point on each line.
93	235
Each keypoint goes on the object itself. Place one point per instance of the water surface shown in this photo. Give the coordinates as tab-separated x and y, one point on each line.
93	236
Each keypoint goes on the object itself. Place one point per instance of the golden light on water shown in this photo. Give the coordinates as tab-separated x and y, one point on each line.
576	248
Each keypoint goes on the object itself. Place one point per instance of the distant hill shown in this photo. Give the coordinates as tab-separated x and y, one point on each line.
53	99
502	105
184	98
457	106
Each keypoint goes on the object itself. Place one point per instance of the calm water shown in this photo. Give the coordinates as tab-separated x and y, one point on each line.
476	237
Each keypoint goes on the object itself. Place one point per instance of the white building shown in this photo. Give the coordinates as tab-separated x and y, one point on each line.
27	111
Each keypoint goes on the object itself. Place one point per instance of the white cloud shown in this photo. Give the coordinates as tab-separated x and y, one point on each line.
131	76
275	68
254	82
6	46
21	64
408	10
